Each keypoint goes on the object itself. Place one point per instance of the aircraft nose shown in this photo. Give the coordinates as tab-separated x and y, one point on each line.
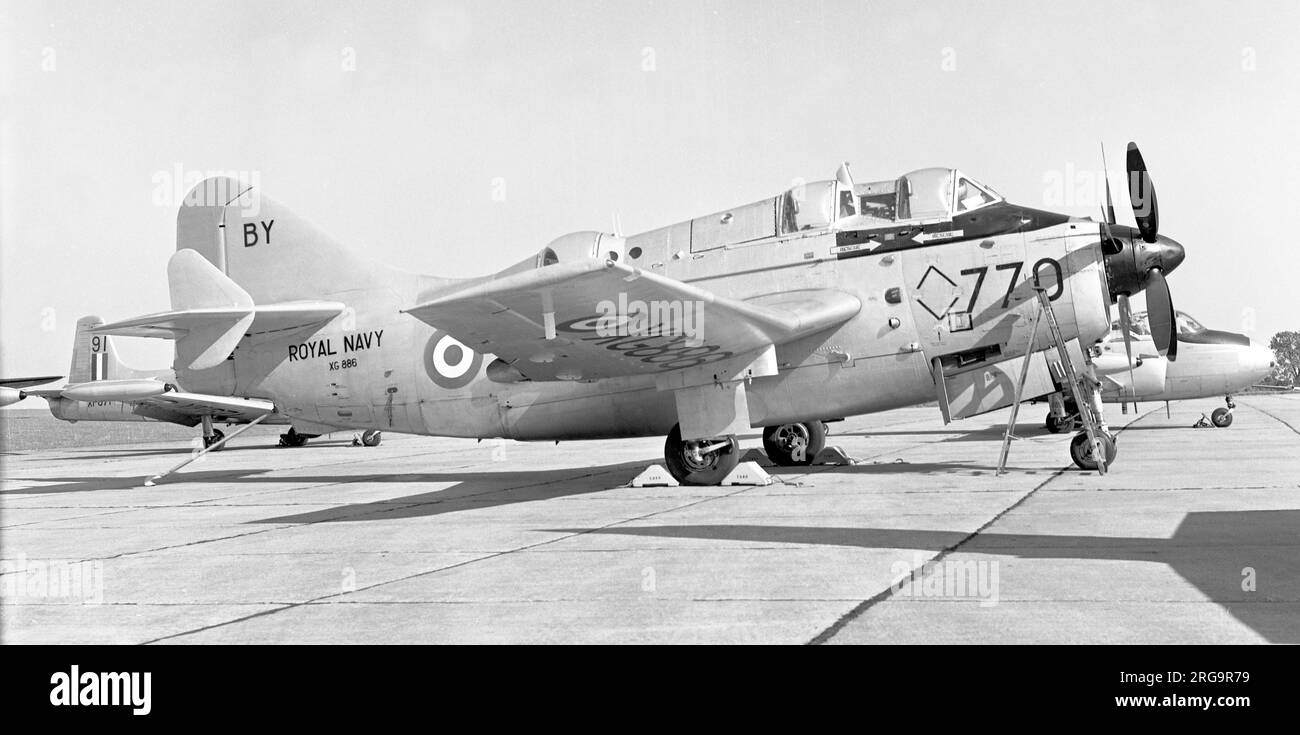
1261	359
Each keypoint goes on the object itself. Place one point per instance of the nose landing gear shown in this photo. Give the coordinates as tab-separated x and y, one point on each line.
1222	417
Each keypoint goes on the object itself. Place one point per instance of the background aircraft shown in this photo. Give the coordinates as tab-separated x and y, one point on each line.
102	388
1210	363
824	301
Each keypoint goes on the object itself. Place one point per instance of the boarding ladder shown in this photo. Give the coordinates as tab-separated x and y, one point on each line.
1079	386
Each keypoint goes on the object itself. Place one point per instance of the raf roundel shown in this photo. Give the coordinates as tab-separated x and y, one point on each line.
449	362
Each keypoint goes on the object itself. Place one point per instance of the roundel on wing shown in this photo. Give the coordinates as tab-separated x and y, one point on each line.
449	362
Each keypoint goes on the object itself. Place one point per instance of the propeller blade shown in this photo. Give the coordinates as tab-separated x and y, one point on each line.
1142	195
1160	315
1125	322
1105	172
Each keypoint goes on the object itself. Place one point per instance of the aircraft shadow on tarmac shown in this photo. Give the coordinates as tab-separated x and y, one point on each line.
1211	550
87	484
473	490
490	489
992	433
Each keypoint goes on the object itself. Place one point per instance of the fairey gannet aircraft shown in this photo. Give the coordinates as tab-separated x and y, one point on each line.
1209	363
102	388
827	300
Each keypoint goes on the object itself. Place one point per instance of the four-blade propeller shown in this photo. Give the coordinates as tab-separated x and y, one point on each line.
1160	305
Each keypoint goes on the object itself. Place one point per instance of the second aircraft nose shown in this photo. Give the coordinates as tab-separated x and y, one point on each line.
1260	360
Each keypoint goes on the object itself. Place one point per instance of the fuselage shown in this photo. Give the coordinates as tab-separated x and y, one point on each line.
957	295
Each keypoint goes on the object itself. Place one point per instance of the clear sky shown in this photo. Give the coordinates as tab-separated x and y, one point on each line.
458	138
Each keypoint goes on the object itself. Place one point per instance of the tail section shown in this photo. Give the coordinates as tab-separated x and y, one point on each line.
272	253
95	358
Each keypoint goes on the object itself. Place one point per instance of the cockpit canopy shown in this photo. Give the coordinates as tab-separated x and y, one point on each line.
924	195
1141	326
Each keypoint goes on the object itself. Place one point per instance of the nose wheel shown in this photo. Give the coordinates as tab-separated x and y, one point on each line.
1222	417
1083	453
702	461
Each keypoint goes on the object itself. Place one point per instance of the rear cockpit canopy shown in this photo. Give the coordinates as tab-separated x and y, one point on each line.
924	195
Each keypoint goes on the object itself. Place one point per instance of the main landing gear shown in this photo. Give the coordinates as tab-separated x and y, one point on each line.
700	462
793	445
1062	415
211	436
371	438
1222	417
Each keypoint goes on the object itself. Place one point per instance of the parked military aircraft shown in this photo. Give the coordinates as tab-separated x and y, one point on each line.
827	300
1210	363
103	388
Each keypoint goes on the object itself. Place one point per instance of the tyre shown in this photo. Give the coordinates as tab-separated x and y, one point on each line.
704	469
217	436
1057	425
793	445
371	438
1082	454
1221	417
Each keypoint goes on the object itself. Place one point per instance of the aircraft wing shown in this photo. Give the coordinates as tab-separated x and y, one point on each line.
266	318
224	408
25	382
512	316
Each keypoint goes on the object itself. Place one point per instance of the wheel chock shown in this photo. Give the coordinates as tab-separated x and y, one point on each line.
757	456
748	473
833	455
654	476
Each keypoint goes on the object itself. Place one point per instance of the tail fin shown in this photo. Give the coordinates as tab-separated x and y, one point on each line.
273	254
95	358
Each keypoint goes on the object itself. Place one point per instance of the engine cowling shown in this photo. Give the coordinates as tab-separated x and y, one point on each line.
10	396
575	246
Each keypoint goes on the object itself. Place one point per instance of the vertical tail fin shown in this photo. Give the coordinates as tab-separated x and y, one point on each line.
273	254
95	358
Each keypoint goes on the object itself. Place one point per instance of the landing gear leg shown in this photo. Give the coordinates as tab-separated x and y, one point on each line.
1222	417
1083	450
211	436
703	461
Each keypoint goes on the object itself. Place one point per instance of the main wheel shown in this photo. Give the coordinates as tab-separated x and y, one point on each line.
1082	453
292	438
216	437
1057	425
371	438
1221	417
792	445
705	462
